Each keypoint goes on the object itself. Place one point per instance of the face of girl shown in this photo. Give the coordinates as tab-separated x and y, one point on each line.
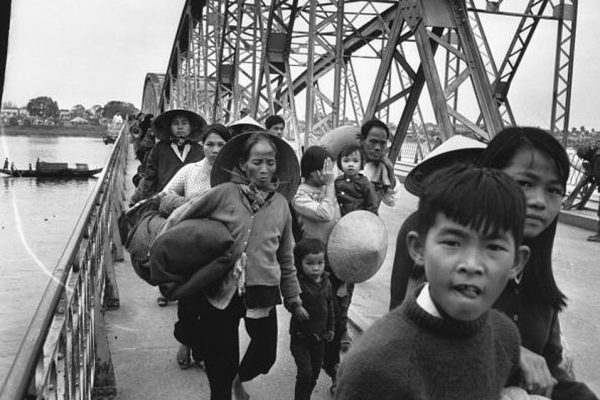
538	176
261	164
212	146
313	265
351	163
180	126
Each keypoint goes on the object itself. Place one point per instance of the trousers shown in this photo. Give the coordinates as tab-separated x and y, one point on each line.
308	355
220	344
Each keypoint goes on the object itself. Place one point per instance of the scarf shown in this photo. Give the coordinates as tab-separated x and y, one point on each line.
257	197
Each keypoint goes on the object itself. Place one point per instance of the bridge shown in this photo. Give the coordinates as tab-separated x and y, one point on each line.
97	332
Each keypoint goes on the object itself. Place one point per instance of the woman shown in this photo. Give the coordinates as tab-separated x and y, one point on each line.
194	179
178	132
253	172
539	163
190	181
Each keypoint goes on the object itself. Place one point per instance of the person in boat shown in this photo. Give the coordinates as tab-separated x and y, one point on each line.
6	163
255	175
178	132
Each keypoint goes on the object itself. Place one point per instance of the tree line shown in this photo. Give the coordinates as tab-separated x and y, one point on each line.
45	107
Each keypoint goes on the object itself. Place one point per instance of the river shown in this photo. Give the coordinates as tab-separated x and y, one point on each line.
37	217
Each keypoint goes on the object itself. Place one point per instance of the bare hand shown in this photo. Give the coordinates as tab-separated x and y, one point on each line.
536	375
329	336
327	174
301	314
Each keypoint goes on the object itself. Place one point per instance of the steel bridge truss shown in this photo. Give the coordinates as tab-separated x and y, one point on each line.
321	64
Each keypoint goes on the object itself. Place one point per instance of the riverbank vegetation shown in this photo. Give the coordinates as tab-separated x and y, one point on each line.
54	131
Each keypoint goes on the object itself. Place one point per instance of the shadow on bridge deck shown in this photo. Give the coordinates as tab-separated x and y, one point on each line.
143	348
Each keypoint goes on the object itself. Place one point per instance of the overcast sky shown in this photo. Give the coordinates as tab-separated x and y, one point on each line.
93	51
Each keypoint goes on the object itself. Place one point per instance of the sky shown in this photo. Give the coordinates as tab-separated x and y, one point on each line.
93	51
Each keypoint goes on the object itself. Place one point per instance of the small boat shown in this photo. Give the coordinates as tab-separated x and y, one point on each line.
52	170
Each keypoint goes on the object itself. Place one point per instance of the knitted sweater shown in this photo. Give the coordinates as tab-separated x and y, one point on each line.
410	354
265	237
316	213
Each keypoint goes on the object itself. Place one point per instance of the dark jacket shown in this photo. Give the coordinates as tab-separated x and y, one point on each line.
355	193
540	332
317	299
162	164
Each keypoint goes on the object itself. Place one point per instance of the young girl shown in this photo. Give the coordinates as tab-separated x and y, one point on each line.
538	162
308	337
178	132
353	190
253	169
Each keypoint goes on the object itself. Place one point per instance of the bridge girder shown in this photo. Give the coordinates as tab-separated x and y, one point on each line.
308	57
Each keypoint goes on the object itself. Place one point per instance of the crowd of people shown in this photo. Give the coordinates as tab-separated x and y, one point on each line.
474	306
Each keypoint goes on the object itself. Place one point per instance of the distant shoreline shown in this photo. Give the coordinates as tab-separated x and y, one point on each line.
95	131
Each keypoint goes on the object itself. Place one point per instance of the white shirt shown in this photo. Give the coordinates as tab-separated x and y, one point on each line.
426	303
191	180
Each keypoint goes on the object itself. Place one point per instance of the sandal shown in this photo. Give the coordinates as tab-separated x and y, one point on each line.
161	301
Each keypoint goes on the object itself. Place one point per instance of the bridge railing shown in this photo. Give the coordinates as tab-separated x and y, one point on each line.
64	353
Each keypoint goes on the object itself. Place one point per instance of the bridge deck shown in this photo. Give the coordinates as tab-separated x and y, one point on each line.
143	348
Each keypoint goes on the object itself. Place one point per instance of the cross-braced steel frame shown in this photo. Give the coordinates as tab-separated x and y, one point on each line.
321	64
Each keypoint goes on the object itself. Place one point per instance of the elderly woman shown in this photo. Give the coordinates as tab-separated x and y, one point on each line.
254	173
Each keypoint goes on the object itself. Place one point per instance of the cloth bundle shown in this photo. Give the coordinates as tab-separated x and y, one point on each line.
190	256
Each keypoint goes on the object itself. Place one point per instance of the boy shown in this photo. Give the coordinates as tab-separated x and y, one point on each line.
308	336
445	342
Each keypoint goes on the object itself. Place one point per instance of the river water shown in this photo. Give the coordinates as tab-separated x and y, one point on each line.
37	217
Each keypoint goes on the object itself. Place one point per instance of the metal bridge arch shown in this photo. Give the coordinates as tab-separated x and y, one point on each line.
325	63
153	84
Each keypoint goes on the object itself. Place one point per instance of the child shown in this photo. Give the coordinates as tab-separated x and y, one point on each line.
315	204
540	164
353	190
317	211
308	337
445	342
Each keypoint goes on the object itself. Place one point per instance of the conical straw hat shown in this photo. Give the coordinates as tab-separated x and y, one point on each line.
458	148
357	246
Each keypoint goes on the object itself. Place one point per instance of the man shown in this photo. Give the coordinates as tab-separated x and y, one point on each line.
374	136
275	125
591	163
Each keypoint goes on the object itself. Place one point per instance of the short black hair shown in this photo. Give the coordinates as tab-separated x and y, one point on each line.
346	151
313	159
273	120
366	127
217	129
482	199
303	248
